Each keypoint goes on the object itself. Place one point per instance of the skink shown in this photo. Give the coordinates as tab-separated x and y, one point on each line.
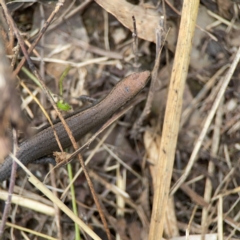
80	123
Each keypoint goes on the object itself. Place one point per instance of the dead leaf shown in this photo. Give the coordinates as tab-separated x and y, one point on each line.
146	19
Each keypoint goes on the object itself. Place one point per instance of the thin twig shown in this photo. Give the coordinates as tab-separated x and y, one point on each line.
154	82
34	70
207	122
56	200
64	17
11	186
45	27
110	129
106	125
211	168
135	44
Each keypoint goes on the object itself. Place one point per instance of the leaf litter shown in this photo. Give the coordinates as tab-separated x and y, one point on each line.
206	203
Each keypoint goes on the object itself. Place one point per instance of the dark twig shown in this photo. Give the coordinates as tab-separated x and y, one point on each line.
34	70
11	186
45	27
135	44
106	125
154	81
30	63
9	104
64	17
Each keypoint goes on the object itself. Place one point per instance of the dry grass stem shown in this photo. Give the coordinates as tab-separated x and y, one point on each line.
208	121
172	117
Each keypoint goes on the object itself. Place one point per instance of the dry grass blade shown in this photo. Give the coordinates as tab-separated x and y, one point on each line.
43	236
51	17
88	160
29	203
172	117
220	219
46	90
56	200
195	102
125	172
208	121
211	166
